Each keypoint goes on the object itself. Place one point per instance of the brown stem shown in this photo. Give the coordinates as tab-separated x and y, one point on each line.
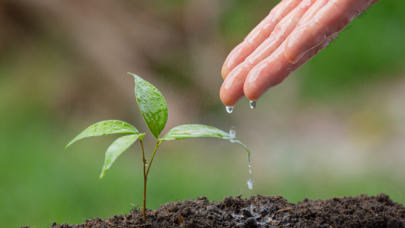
144	182
145	174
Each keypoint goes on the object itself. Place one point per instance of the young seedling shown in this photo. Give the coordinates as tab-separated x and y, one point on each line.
154	111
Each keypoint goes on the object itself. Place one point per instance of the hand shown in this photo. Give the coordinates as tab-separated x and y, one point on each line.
293	33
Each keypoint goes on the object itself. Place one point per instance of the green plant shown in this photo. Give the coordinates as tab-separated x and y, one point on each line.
154	111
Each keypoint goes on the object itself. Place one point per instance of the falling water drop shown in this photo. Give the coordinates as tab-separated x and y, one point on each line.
250	181
229	109
252	104
232	133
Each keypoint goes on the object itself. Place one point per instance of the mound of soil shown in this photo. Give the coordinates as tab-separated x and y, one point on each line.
263	211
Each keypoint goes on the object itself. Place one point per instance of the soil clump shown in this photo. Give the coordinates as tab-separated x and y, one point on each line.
263	211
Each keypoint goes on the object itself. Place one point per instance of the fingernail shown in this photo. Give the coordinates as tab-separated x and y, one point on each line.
252	37
298	57
231	77
289	53
232	56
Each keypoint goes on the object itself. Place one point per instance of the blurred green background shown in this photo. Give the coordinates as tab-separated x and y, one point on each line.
336	127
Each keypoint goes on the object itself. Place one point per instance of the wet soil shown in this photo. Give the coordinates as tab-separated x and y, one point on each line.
263	211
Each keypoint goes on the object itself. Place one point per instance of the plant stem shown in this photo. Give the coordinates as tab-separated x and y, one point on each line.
145	174
153	155
144	181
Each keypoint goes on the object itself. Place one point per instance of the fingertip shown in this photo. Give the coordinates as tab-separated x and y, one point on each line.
265	75
232	88
251	92
252	87
229	99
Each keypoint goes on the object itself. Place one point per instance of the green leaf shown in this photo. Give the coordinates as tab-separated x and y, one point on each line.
107	127
197	131
152	104
117	148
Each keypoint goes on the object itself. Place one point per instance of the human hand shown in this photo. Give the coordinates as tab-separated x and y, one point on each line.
293	33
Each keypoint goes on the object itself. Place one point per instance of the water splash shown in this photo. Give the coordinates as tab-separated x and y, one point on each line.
250	182
232	133
253	104
229	109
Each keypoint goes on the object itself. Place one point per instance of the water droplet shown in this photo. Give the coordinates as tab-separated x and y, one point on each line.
250	181
253	104
229	109
232	133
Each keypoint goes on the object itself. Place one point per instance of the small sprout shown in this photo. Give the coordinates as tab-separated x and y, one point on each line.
154	111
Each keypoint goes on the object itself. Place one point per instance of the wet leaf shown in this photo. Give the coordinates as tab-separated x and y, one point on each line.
117	148
197	131
107	127
152	105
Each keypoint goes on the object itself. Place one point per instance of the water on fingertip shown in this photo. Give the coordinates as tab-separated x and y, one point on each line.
232	133
229	109
253	104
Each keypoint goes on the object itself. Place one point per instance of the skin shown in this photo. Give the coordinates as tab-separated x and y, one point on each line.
293	33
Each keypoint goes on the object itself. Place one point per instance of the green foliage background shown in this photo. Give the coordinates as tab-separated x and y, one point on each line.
48	95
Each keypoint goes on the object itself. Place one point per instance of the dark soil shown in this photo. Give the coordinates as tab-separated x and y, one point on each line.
263	211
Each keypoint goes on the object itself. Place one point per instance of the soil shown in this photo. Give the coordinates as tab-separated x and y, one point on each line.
263	211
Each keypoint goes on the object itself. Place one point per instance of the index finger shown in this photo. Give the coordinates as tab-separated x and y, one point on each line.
257	36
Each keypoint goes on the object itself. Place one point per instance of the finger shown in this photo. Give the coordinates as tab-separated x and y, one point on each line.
332	18
280	33
257	36
312	11
273	70
232	89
